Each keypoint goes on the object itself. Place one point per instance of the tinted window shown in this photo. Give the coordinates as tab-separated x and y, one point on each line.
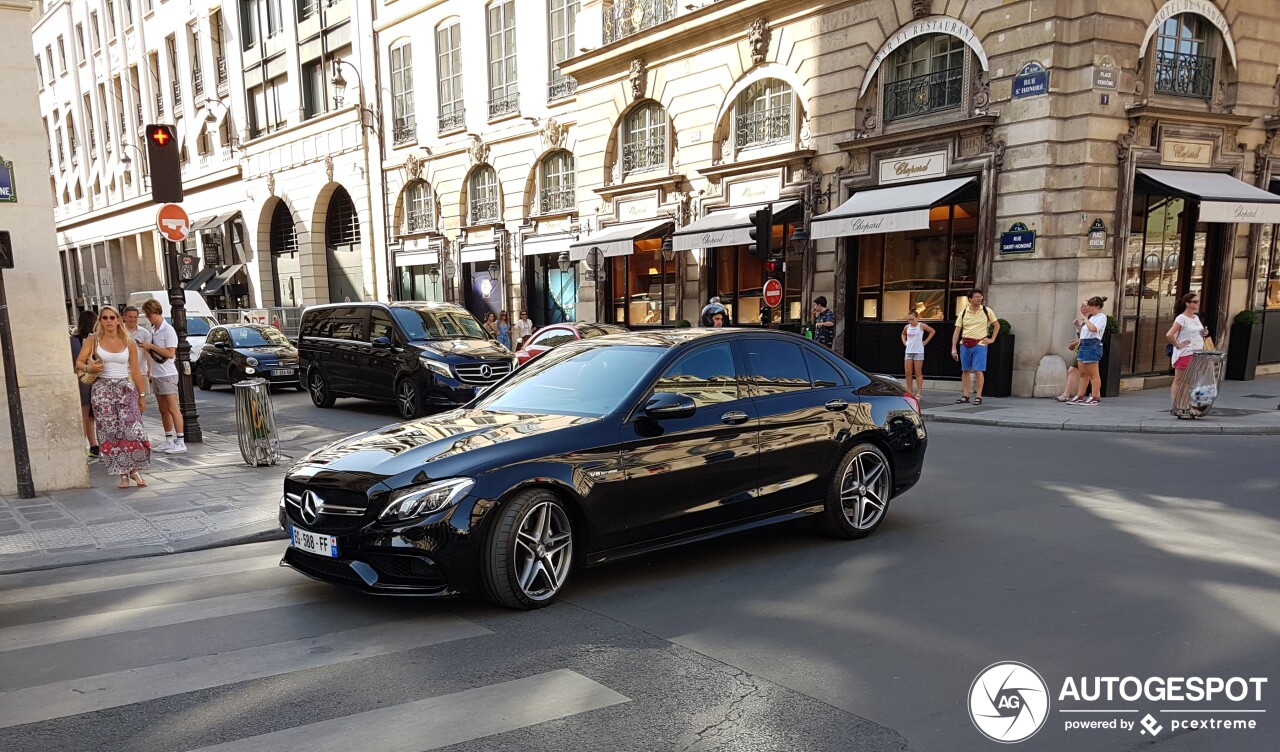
218	335
380	325
708	375
573	381
311	323
821	372
343	323
553	337
420	324
247	337
775	367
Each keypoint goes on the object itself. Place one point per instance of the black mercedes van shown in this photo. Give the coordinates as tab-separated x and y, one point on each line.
417	355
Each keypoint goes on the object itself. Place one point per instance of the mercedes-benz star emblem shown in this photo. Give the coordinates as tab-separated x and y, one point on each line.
312	507
486	371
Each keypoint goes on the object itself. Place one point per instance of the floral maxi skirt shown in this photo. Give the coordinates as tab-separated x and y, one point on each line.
118	420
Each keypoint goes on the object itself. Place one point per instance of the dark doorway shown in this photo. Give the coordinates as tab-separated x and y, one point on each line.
344	258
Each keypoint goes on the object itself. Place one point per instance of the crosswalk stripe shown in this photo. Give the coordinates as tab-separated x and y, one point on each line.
138	579
147	617
445	720
112	690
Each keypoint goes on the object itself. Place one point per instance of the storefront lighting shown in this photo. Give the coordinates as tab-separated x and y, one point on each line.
563	261
434	274
668	250
494	268
799	239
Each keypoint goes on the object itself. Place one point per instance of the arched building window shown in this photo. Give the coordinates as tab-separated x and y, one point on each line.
644	139
342	224
418	205
925	76
284	236
483	190
556	187
764	114
1184	56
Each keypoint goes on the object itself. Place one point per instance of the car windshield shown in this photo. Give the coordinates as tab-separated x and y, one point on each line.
197	326
573	380
420	323
247	337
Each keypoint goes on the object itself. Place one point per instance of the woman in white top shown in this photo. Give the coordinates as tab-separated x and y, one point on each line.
524	328
1187	336
914	337
119	397
1092	324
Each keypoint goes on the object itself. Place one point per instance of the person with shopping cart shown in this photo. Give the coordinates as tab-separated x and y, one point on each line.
1186	337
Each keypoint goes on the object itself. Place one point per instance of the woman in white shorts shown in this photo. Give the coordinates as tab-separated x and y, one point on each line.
915	336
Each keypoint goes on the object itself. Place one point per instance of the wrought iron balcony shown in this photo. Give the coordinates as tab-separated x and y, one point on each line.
106	132
762	127
123	122
177	99
197	81
1184	75
417	221
484	210
560	88
159	105
504	105
404	131
642	156
921	95
138	106
93	141
452	121
222	70
558	199
622	18
308	8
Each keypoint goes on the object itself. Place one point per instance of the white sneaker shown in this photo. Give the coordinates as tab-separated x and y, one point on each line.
179	447
163	447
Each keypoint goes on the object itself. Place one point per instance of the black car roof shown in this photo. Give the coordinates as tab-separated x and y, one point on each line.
398	304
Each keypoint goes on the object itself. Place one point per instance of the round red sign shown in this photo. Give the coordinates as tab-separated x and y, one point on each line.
173	223
772	293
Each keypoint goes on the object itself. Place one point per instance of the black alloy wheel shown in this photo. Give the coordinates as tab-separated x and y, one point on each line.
529	552
408	399
202	378
858	497
320	394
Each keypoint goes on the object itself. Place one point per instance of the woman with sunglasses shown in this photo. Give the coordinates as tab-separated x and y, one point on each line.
119	397
1186	336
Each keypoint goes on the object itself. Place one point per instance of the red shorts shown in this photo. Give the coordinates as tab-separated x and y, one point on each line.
1182	363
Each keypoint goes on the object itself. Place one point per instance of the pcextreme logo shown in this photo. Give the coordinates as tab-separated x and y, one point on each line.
1009	702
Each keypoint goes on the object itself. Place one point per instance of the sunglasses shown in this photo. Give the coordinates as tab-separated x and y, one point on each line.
107	318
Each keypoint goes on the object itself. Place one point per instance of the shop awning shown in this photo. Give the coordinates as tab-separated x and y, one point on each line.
729	227
1222	197
618	240
202	276
217	283
209	223
895	208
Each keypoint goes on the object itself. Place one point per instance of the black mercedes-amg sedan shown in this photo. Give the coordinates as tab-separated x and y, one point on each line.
599	450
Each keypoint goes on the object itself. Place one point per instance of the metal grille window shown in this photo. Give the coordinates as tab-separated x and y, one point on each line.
557	192
111	19
71	140
626	17
644	145
403	125
307	9
341	224
1184	64
197	71
248	24
484	195
449	74
417	207
925	76
563	16
284	236
763	114
503	92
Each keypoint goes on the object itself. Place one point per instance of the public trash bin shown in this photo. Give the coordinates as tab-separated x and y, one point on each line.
1199	386
256	423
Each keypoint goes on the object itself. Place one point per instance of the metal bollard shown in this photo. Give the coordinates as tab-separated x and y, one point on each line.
256	423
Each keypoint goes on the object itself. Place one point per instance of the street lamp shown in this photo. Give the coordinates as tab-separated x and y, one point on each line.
668	250
563	261
799	238
434	274
494	268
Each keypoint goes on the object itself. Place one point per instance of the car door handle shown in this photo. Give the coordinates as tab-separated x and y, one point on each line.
836	405
734	417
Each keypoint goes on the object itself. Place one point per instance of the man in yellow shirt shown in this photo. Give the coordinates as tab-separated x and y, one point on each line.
976	327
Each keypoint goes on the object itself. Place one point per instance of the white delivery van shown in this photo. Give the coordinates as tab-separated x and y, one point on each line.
199	317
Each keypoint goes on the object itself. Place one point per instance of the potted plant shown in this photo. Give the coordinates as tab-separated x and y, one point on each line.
1243	346
1114	352
999	378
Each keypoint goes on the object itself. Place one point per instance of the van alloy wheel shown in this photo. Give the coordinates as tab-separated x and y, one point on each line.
408	401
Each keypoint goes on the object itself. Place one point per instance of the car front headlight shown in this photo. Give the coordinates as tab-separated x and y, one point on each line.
436	366
251	361
417	501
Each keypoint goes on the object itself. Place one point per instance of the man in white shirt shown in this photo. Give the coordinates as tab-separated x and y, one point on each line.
138	334
164	376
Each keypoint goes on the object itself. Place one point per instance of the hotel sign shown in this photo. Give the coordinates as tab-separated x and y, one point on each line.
1187	151
932	165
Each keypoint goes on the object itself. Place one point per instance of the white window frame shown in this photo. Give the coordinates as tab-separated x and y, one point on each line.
661	129
402	113
484	190
503	73
556	175
418	202
449	70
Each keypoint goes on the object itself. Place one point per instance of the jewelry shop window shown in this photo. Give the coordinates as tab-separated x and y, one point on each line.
643	287
739	283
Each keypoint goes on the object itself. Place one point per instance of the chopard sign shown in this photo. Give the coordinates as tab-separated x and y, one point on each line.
866	224
913	168
1187	152
711	239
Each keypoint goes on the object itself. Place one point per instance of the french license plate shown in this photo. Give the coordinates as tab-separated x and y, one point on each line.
322	545
282	372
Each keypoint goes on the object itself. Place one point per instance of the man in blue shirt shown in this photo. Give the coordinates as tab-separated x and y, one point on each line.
824	322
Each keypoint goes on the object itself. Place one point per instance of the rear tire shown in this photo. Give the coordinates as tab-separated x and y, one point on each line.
858	497
202	379
528	554
319	388
408	399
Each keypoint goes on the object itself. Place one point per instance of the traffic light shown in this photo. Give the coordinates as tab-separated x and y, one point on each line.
773	268
162	159
761	232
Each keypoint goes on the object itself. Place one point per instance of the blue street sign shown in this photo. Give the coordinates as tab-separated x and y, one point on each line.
1018	239
8	191
1031	81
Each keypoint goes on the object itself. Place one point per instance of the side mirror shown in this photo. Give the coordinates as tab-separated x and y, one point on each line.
669	406
382	342
221	345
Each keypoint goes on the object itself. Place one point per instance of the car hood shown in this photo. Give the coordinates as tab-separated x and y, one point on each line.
463	348
454	442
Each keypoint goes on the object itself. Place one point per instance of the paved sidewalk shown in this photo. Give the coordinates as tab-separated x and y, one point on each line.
1242	407
207	497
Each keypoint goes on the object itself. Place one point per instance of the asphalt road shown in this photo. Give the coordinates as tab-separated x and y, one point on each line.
1078	555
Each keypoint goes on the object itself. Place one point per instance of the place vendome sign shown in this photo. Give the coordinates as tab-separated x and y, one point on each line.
919	167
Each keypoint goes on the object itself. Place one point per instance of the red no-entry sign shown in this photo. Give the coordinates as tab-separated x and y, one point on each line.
173	222
772	293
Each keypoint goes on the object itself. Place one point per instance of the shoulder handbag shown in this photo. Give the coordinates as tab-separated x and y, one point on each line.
88	377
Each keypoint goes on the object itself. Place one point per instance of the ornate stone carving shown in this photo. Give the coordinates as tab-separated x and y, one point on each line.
994	145
1220	95
1263	150
684	207
971	144
921	8
637	78
1140	83
271	183
1125	142
328	168
869	121
412	167
758	37
806	132
553	134
478	151
981	93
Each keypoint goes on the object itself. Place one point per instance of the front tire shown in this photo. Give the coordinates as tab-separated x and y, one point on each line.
408	399
319	388
202	379
858	498
529	552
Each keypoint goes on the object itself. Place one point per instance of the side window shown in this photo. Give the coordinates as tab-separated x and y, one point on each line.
313	324
553	338
821	372
775	367
707	375
347	323
219	335
380	325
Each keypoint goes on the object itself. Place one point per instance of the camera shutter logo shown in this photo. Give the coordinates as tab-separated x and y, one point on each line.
1008	702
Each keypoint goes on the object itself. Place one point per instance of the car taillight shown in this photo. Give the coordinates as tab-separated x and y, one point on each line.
915	403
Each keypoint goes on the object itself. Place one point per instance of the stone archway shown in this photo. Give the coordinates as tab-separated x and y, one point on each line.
333	271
